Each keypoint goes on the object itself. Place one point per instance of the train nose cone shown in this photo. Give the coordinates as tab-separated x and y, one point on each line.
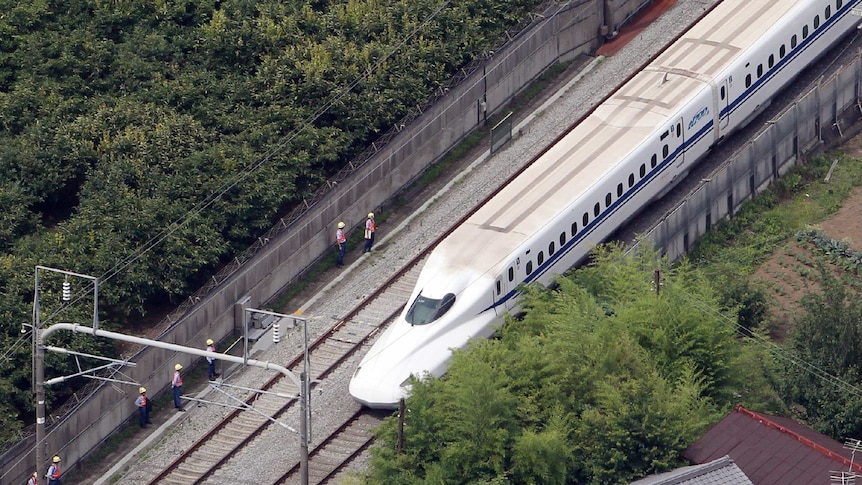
374	392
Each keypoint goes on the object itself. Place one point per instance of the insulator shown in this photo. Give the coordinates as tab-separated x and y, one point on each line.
67	291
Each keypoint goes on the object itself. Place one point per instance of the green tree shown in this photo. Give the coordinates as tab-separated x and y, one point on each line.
602	381
826	338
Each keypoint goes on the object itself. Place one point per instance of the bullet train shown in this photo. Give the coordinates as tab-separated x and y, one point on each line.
629	151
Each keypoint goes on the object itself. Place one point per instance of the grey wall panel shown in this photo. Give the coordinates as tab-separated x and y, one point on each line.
845	84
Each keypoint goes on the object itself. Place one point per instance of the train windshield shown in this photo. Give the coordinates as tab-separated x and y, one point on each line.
425	310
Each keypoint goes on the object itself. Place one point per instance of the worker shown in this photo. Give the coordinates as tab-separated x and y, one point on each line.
54	472
369	232
142	402
34	479
341	241
177	384
211	360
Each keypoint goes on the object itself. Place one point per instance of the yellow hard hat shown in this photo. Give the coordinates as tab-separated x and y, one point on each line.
371	215
56	459
178	367
35	474
210	341
341	225
142	390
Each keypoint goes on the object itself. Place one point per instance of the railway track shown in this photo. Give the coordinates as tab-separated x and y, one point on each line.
216	448
241	427
328	459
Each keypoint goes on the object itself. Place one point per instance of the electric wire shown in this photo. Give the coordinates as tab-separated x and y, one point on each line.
774	348
233	181
242	175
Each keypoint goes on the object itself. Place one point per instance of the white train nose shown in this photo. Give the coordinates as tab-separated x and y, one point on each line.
370	391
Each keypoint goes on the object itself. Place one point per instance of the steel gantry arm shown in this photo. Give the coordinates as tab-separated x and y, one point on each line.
74	327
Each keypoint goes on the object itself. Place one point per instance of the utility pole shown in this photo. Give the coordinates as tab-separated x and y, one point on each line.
39	353
39	387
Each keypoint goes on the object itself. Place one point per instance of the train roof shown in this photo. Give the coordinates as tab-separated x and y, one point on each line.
635	112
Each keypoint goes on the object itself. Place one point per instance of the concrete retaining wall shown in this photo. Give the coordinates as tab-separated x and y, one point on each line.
822	116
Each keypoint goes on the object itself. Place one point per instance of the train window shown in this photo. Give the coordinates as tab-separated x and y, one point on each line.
828	12
586	219
771	60
563	236
529	267
425	310
679	128
631	180
816	21
748	80
574	229
551	248
643	170
608	200
793	41
805	31
838	4
782	51
540	258
723	93
511	274
499	287
596	209
664	151
759	70
654	160
664	135
619	190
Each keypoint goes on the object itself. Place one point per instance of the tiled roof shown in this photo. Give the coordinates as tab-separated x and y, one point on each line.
717	472
772	450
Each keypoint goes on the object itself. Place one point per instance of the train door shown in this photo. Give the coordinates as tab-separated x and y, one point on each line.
677	139
506	283
723	101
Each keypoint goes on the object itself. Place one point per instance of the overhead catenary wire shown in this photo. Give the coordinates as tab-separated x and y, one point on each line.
266	157
774	348
243	174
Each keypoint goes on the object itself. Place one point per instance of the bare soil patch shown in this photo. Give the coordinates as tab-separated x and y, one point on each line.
792	270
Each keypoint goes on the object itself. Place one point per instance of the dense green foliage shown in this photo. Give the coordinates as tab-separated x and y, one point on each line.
602	381
819	366
822	364
187	127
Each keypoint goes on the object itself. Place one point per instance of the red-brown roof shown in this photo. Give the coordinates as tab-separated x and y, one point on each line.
772	450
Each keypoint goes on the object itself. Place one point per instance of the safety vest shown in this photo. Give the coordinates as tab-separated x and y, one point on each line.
340	237
369	225
178	379
142	401
32	481
54	472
